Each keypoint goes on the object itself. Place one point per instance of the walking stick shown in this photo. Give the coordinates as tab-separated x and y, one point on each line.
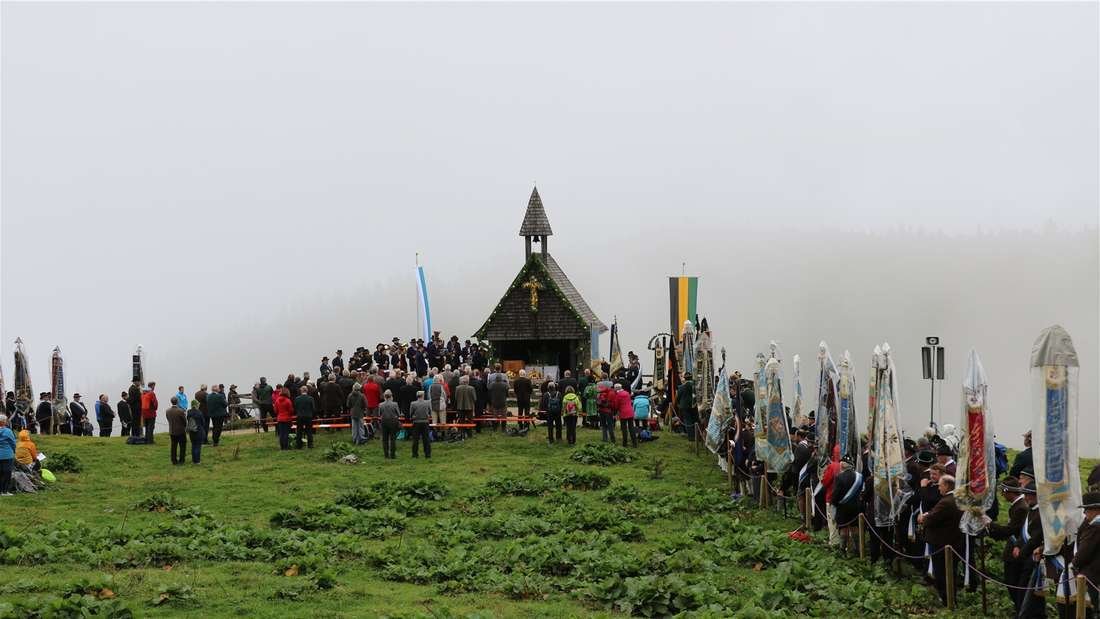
807	509
729	464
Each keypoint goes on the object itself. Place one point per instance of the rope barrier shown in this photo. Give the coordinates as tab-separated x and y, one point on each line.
983	574
899	553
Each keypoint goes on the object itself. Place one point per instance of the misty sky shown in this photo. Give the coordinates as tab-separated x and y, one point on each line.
241	187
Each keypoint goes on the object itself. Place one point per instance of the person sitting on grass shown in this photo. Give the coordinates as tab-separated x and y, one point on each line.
26	452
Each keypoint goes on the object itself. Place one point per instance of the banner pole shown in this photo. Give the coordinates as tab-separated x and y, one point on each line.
417	300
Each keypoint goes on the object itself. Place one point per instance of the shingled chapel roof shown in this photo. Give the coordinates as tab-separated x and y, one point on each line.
563	314
535	222
572	294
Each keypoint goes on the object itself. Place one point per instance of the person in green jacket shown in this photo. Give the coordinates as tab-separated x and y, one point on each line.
217	409
591	413
303	410
571	408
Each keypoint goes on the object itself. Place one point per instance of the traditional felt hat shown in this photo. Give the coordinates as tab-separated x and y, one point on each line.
1028	472
944	450
1091	500
926	457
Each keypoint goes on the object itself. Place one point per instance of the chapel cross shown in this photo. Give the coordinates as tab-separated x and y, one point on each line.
533	286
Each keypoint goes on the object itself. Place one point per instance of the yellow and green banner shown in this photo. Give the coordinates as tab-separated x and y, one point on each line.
682	294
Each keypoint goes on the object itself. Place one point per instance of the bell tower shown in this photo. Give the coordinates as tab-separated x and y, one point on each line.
535	227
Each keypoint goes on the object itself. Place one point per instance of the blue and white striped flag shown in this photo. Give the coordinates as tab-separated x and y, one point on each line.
425	306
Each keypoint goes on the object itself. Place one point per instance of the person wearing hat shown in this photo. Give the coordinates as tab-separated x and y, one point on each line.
381	359
125	414
941	531
44	414
946	457
338	362
846	500
1013	493
1023	459
77	414
1086	559
1027	476
1027	550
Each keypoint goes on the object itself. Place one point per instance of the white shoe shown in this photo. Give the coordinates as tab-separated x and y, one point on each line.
6	494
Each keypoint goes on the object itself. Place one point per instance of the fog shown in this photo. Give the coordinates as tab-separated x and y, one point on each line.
241	188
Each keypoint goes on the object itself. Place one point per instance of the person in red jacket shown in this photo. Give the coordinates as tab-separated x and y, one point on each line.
149	407
372	391
828	481
625	405
284	416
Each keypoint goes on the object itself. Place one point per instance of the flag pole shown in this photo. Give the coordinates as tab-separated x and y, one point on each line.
417	299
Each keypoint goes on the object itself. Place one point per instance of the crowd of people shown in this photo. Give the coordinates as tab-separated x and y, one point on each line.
416	388
927	526
425	390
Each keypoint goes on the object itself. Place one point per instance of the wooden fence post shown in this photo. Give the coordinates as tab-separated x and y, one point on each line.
949	567
985	596
1082	596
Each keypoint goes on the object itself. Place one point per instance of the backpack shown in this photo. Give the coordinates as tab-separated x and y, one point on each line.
553	405
192	424
605	402
1001	454
571	408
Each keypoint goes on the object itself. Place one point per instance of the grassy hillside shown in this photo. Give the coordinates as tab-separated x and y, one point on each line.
497	526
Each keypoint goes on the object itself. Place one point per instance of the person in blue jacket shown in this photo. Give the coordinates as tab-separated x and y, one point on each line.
641	410
7	456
